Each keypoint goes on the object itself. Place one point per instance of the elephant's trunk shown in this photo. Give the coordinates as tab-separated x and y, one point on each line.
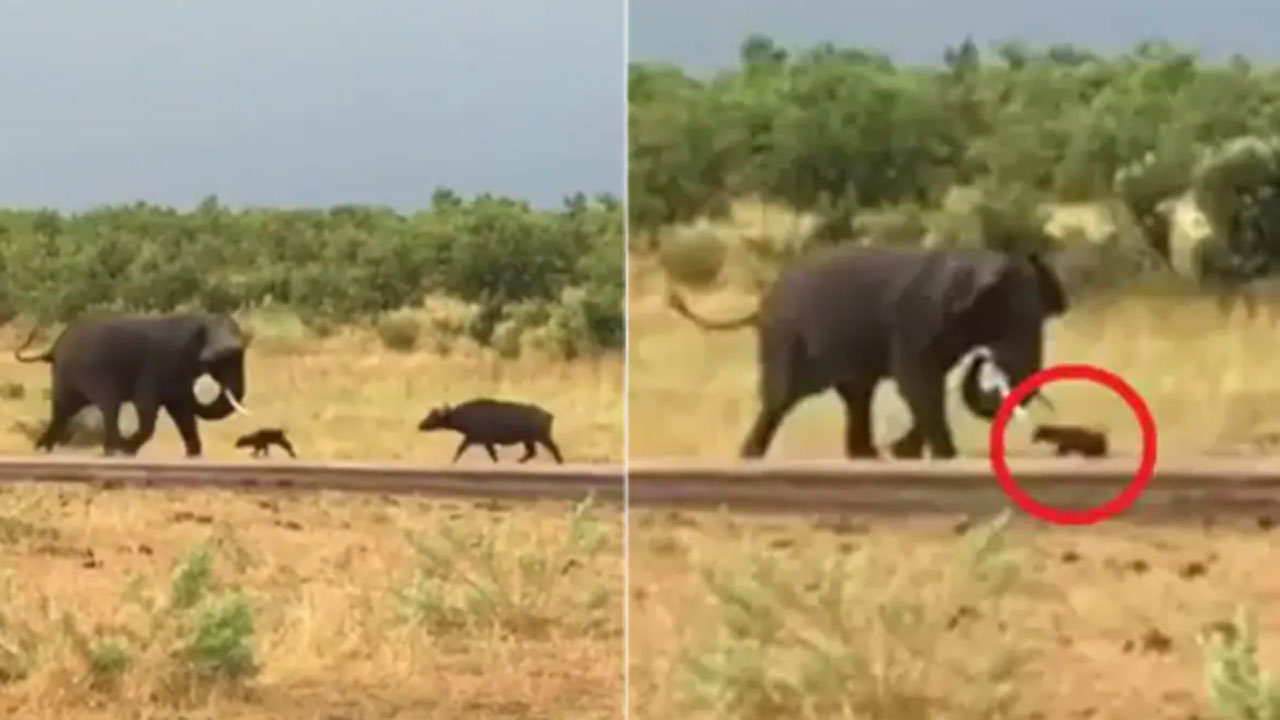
985	401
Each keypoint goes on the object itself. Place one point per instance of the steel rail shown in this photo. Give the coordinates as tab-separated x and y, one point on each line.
504	481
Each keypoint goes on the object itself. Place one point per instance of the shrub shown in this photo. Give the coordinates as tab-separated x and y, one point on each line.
509	578
1237	185
345	264
399	332
693	258
1237	687
899	225
789	637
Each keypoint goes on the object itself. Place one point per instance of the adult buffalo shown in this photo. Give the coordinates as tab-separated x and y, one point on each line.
848	316
151	361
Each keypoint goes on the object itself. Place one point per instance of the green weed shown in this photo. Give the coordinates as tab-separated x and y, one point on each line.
853	635
506	577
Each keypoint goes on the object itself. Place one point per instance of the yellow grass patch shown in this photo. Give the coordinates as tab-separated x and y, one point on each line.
1210	379
321	573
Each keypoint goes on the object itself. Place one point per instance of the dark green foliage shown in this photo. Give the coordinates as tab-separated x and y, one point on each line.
344	263
1238	187
845	135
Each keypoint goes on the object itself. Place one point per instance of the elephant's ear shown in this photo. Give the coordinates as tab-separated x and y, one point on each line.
212	343
943	290
1053	297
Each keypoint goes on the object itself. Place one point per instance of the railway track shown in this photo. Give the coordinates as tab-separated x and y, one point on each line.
505	481
1180	489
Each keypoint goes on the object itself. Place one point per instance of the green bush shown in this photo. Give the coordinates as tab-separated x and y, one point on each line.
693	258
329	266
1237	185
1237	687
846	137
899	225
399	332
854	635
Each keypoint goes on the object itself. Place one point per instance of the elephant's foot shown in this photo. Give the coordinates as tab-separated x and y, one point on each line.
908	447
862	452
944	453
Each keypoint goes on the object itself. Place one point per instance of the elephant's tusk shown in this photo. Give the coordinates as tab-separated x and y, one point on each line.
1003	388
235	404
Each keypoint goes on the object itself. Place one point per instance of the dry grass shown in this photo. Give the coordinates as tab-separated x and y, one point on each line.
1090	621
348	396
1209	379
321	573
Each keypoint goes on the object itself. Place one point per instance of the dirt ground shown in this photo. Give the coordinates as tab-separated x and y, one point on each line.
321	573
348	397
1107	616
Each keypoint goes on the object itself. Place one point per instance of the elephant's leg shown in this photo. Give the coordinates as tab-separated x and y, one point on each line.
184	417
112	441
924	391
108	399
782	385
910	446
65	403
147	409
857	395
529	451
550	445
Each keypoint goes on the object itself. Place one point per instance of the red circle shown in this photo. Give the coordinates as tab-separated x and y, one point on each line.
1091	515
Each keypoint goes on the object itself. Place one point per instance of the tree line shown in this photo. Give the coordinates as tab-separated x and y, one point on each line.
873	149
340	264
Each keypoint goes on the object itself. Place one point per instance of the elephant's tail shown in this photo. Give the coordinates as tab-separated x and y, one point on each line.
677	303
45	356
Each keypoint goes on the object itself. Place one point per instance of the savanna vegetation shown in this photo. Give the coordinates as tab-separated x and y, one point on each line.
347	263
844	617
361	318
1149	177
968	151
204	604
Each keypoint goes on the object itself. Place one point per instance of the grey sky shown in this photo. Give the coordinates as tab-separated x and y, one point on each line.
297	102
701	34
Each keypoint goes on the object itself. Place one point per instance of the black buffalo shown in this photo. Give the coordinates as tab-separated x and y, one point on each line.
490	422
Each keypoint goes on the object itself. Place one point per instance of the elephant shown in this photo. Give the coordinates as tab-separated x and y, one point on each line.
849	316
151	361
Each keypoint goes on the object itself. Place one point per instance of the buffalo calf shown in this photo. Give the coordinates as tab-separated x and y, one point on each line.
1073	439
489	422
261	440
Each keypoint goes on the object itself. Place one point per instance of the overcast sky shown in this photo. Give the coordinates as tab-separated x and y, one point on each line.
298	102
707	33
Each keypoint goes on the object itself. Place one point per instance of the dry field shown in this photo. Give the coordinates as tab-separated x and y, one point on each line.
348	397
1209	378
158	604
746	618
839	618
